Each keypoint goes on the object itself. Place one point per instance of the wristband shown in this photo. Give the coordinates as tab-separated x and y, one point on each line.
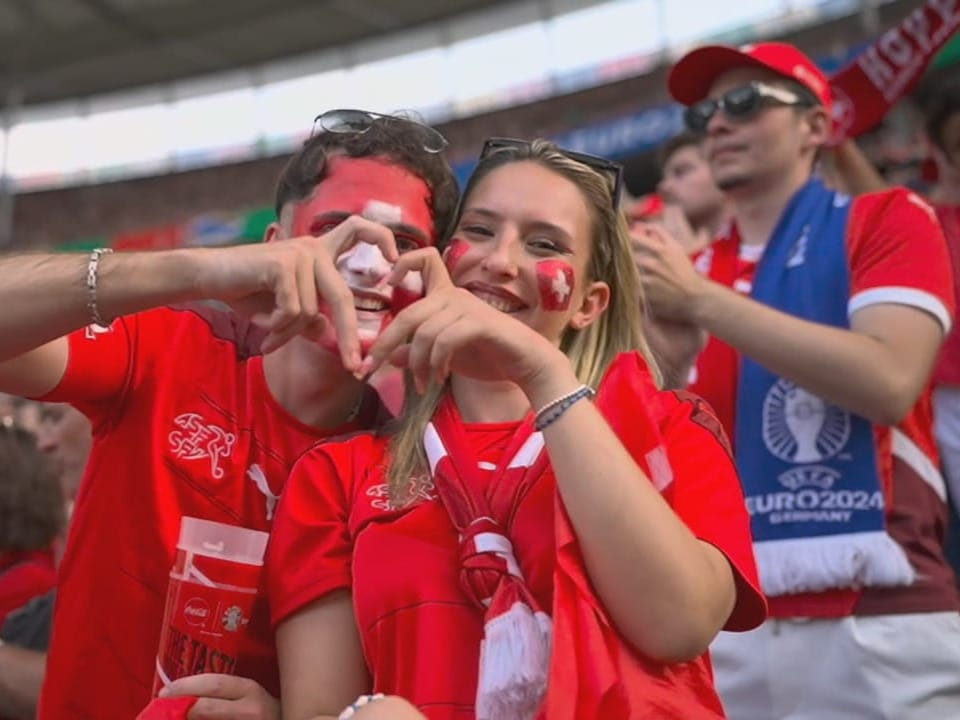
351	710
93	267
554	410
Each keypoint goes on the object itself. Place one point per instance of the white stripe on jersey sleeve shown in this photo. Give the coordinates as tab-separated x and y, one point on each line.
898	295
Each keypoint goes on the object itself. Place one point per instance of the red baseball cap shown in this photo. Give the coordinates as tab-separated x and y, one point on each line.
691	77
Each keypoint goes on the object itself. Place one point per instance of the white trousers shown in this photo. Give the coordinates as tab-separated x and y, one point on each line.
887	667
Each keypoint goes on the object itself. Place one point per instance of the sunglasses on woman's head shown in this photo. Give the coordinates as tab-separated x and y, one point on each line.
740	104
359	121
611	171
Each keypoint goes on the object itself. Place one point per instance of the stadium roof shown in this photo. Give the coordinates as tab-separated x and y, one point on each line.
56	49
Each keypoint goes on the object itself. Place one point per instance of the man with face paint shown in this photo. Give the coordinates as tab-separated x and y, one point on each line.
199	412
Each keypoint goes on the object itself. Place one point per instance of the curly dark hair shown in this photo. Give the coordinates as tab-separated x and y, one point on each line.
400	139
32	505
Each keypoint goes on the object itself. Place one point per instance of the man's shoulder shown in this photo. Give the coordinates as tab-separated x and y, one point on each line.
350	447
203	324
886	204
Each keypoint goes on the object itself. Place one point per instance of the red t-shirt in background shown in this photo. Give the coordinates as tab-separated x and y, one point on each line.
896	254
24	576
183	424
420	633
948	366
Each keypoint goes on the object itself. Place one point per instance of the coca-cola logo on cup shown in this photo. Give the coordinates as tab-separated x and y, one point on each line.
196	612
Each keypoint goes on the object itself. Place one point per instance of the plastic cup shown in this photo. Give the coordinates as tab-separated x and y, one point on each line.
210	599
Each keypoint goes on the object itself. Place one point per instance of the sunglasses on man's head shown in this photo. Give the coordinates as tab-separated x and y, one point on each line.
740	104
359	121
611	171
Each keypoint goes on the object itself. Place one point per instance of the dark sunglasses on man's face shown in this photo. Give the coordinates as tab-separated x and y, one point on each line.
611	171
740	104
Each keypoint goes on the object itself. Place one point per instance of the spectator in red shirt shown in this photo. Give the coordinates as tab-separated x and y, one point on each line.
31	518
202	412
826	314
64	435
939	99
486	560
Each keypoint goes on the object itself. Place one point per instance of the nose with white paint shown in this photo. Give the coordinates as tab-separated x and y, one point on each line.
366	265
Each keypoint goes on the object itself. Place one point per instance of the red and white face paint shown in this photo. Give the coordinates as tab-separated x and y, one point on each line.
556	282
454	254
384	192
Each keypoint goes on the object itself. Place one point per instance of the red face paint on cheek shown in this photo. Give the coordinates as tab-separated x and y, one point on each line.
455	252
555	278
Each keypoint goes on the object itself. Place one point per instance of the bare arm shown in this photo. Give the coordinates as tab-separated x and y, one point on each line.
634	545
44	297
21	675
877	369
321	661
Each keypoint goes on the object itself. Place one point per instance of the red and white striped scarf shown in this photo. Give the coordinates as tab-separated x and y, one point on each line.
515	651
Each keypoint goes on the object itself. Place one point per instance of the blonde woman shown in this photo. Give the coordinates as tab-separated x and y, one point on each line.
512	549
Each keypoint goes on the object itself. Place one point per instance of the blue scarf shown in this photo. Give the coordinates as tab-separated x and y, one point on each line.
809	468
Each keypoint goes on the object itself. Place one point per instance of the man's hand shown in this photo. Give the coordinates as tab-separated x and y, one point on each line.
671	284
225	697
675	222
281	284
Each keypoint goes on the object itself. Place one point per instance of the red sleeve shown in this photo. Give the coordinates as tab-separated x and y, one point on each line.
21	583
103	364
98	366
310	547
898	254
708	498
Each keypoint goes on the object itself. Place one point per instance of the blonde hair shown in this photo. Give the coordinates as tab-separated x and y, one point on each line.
591	349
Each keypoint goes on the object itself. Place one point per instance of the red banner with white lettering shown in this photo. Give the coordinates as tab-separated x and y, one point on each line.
867	88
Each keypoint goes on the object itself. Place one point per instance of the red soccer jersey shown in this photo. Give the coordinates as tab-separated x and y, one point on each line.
948	367
896	254
183	424
420	633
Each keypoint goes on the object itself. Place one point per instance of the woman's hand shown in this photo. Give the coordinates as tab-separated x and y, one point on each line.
452	331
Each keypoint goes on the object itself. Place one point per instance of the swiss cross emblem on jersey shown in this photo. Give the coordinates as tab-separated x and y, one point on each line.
194	438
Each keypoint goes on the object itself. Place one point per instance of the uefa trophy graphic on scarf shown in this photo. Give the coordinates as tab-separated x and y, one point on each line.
804	416
800	427
210	599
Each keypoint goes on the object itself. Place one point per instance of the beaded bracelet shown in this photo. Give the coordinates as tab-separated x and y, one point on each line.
93	266
554	410
351	710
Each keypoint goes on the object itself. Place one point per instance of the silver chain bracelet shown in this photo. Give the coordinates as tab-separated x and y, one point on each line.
93	267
